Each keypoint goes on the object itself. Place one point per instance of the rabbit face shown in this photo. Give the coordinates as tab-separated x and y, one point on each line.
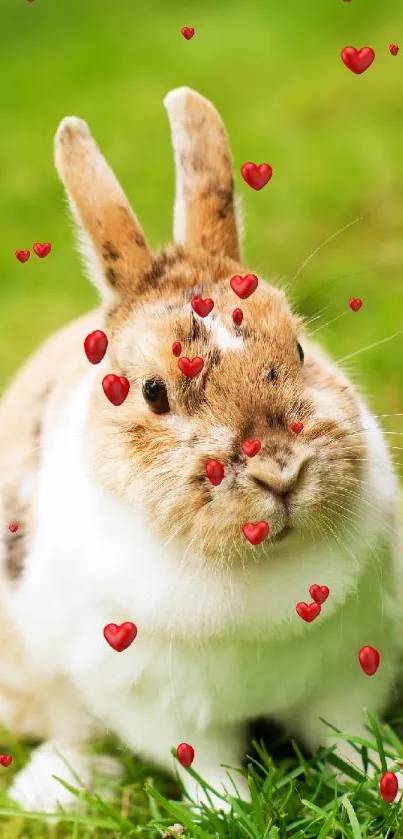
258	378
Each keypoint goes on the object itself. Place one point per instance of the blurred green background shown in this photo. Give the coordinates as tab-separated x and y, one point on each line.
273	69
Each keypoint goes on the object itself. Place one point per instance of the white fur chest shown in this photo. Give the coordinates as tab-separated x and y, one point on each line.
209	647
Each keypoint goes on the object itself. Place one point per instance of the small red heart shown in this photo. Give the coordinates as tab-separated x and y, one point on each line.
190	366
120	637
13	527
202	307
215	472
393	49
244	286
95	346
251	447
319	593
357	60
389	786
255	533
297	427
308	611
185	754
237	316
369	659
42	250
177	348
355	304
5	760
115	388
256	176
188	32
22	256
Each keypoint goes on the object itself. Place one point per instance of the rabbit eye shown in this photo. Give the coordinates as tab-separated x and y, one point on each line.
155	394
300	353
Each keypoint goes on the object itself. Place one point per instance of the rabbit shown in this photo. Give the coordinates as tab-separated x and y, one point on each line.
118	520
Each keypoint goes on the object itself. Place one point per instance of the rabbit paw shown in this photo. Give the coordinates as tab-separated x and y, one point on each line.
36	787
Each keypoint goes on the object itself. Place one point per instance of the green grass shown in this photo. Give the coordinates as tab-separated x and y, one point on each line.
335	142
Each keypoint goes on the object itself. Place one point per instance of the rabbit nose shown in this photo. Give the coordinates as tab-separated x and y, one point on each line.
279	481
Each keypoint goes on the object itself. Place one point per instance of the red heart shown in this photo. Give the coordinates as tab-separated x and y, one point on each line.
369	659
177	348
13	527
319	593
120	637
42	250
95	346
237	316
202	307
244	286
5	760
187	32
357	60
389	786
251	447
22	256
355	304
308	611
393	49
255	533
185	754
190	366
256	176
215	472
115	388
296	427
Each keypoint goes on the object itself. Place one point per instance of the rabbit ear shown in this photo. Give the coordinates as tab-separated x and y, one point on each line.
112	242
204	207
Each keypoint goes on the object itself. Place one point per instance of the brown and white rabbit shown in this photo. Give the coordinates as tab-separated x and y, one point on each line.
118	521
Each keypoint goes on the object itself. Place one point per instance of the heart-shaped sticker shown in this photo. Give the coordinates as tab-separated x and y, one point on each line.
190	367
120	637
244	286
256	176
251	447
255	533
202	307
357	60
116	388
319	593
308	611
95	346
42	250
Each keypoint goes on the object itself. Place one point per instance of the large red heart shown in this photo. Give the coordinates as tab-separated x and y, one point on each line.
22	256
255	533
256	176
42	250
369	659
251	447
319	593
357	60
297	427
308	611
215	472
120	637
5	760
202	307
244	286
355	304
95	346
187	32
190	366
115	388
